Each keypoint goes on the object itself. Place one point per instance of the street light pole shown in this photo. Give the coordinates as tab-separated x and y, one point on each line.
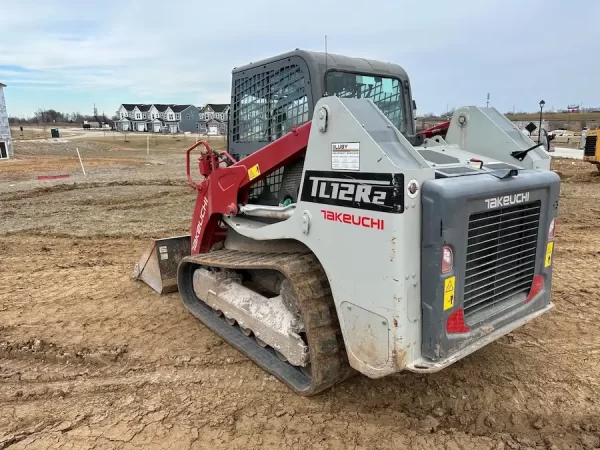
542	103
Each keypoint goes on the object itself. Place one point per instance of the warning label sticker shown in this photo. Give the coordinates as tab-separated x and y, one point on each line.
253	172
345	156
449	285
549	249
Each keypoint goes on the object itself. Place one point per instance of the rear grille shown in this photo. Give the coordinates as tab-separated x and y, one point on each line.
590	145
500	259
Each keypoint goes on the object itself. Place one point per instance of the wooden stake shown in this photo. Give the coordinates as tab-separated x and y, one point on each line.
81	162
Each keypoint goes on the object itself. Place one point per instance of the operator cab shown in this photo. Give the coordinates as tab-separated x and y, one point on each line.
271	96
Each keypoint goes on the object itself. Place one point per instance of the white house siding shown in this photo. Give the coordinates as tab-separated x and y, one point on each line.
5	136
170	120
153	112
122	112
209	119
137	114
169	115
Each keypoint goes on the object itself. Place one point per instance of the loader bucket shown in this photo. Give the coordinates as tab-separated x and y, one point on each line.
158	264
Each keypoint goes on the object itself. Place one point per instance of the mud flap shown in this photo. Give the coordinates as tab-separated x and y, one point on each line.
158	264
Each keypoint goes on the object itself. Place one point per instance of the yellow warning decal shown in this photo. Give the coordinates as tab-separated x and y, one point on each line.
549	254
449	285
253	172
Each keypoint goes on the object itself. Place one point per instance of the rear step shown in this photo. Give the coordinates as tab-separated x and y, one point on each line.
328	360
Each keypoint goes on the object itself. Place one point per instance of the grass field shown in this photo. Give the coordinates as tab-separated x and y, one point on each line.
154	141
29	133
118	140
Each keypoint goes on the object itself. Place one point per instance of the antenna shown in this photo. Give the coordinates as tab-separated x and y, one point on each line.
487	104
326	65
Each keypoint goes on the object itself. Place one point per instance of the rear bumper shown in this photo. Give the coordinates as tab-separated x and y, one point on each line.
427	366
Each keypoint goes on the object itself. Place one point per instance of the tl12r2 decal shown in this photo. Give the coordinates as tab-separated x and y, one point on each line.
382	192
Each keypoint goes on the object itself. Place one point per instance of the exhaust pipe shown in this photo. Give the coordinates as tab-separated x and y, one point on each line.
158	264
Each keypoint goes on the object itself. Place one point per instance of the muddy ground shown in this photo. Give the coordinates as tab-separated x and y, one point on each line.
90	358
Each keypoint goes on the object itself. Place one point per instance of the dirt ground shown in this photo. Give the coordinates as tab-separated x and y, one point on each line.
90	358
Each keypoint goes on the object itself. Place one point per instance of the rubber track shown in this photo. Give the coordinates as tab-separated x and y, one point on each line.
329	363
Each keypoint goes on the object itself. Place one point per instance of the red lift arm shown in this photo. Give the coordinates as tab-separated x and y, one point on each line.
223	188
440	129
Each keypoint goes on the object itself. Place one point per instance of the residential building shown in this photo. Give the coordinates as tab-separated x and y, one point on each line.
157	118
187	117
6	150
214	118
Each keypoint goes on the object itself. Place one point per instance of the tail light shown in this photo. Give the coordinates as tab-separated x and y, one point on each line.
456	322
552	229
536	287
447	259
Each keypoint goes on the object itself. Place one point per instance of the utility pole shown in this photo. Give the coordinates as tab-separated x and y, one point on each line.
542	103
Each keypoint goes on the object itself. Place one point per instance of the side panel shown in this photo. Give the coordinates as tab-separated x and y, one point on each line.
366	234
497	230
487	132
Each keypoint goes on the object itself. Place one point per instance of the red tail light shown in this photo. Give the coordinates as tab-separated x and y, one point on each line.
552	229
456	322
536	287
447	259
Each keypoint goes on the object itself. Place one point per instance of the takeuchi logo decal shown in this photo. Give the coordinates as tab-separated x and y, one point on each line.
200	223
507	200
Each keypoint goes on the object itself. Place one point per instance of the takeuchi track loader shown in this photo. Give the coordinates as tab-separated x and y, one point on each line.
330	239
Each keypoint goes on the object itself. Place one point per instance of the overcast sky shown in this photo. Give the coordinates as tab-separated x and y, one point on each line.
68	55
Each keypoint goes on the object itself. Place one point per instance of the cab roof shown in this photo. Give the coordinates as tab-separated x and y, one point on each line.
330	60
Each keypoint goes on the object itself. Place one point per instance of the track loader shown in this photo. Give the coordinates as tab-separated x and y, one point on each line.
330	239
591	148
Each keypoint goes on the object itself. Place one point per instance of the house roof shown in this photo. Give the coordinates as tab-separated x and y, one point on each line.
2	85
179	108
161	107
218	107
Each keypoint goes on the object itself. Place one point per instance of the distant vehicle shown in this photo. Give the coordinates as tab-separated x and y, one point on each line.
558	132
